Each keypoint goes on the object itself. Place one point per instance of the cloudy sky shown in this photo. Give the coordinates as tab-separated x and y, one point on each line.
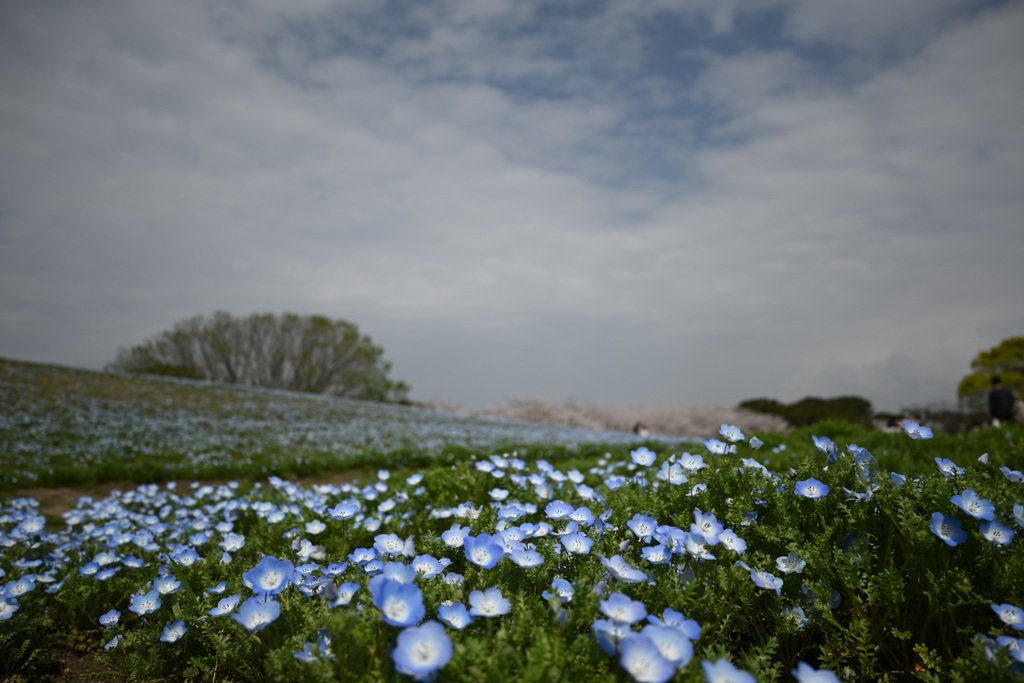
674	202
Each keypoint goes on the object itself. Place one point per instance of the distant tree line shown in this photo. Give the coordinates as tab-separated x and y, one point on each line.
309	353
809	410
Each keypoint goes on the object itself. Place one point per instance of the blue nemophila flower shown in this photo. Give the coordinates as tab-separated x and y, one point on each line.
692	463
798	616
232	542
948	468
110	618
343	511
388	545
755	442
1012	475
172	632
146	602
455	615
527	558
825	445
643	526
15	589
610	634
916	431
805	673
623	608
483	550
270	576
562	588
640	656
717	447
723	671
422	651
1018	514
974	505
401	604
621	570
340	596
1014	645
947	527
656	554
489	603
8	606
577	543
186	557
697	547
643	456
362	556
113	642
672	642
453	579
731	433
791	564
225	606
582	515
257	613
558	510
219	589
166	585
672	472
732	541
811	488
675	619
707	525
1011	615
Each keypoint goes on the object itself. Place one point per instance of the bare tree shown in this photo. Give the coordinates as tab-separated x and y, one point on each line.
289	351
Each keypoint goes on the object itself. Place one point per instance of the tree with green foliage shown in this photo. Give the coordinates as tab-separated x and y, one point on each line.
1005	360
811	409
309	353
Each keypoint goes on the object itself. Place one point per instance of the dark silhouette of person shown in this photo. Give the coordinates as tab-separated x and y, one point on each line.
1000	402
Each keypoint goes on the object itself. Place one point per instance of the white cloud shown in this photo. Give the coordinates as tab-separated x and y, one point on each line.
512	207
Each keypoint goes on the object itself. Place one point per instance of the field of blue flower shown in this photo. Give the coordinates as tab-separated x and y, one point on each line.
829	554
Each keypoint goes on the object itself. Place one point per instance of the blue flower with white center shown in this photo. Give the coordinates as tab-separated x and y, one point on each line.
948	468
186	557
1018	514
489	603
731	433
697	546
110	618
825	445
225	606
455	615
974	505
656	554
527	558
805	673
643	456
1014	645
1011	615
401	604
916	431
947	527
341	595
610	634
173	632
256	614
388	545
675	619
455	536
672	472
707	525
343	511
811	488
732	541
624	609
361	556
219	589
583	516
146	602
270	576
621	570
716	447
422	651
1012	475
165	585
643	526
15	589
642	659
755	442
692	463
114	642
763	579
798	616
483	550
427	566
791	564
672	643
560	588
723	671
577	543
